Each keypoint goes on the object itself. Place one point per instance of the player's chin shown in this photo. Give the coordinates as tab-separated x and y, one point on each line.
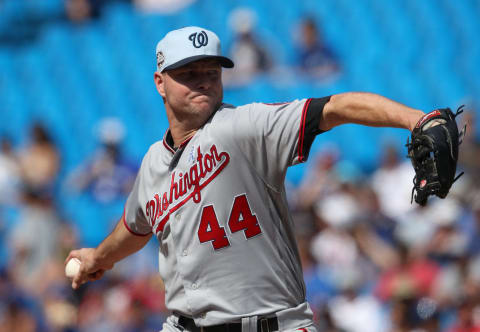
205	106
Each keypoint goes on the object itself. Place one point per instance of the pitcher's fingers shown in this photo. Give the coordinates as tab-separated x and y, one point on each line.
79	279
96	275
72	254
77	282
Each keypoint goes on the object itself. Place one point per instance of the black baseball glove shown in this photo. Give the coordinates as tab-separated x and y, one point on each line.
433	150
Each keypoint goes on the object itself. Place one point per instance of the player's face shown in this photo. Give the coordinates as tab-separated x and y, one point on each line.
193	89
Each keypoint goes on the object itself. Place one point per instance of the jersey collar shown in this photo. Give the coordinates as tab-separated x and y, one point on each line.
168	142
168	139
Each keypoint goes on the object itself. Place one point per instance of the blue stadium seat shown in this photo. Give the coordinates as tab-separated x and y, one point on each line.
44	8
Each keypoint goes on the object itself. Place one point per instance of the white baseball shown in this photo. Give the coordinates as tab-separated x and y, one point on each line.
72	267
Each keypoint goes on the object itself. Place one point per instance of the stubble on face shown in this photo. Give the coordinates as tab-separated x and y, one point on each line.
194	91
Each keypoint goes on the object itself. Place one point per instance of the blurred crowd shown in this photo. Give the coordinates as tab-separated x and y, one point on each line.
375	262
252	54
372	261
36	238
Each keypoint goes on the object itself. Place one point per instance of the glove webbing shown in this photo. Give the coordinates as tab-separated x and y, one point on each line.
433	186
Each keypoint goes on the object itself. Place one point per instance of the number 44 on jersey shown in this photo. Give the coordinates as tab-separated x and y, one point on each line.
241	219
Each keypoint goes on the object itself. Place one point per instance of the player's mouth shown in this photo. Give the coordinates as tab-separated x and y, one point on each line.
201	97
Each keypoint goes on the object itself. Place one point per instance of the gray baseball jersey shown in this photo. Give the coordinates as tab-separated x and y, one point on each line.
218	208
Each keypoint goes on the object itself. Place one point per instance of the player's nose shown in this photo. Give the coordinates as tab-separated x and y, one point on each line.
203	81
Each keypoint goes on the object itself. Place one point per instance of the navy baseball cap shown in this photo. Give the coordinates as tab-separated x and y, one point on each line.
185	45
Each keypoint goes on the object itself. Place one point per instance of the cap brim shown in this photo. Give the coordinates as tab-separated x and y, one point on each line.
224	61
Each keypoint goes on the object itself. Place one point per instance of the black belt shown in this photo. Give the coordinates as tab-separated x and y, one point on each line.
263	325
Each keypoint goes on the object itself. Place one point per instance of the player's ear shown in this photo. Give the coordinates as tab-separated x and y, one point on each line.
159	83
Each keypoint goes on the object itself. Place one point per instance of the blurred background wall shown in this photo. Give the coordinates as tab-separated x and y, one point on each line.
78	110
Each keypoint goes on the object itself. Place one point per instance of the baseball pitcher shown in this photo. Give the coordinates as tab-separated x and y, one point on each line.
212	193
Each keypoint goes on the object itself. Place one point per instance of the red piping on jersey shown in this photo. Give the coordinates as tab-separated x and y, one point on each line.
185	142
129	229
301	134
162	223
165	143
302	329
169	148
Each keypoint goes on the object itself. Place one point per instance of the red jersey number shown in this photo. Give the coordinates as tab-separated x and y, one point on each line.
210	230
241	219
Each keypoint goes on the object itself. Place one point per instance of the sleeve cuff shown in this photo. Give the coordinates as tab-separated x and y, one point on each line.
309	123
